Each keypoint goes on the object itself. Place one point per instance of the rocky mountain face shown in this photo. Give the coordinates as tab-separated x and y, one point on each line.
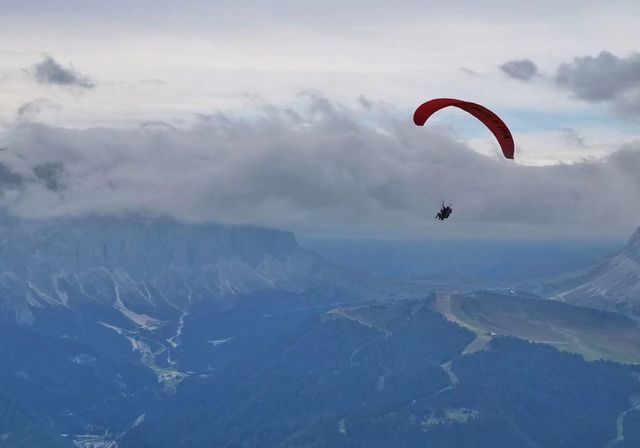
614	285
632	250
152	269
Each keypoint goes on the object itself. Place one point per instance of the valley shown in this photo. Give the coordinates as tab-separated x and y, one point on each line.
155	333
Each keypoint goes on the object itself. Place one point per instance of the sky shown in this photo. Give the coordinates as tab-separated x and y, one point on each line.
298	114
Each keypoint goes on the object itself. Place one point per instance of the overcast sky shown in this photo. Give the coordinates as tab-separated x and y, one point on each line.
298	114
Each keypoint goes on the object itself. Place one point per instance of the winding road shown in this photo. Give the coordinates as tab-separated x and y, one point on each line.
620	427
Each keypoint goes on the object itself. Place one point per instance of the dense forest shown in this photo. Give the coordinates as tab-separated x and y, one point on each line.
337	382
20	430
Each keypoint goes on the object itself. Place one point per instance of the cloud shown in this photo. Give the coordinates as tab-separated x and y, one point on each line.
628	105
30	110
157	124
8	178
600	78
51	175
521	69
315	166
605	78
152	81
364	102
50	72
572	138
48	174
469	72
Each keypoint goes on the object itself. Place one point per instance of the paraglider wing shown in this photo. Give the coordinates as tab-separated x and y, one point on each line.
497	127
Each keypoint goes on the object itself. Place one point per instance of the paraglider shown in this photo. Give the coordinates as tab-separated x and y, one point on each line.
497	127
444	212
495	124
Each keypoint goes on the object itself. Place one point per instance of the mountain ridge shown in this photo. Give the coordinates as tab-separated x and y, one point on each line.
614	285
154	268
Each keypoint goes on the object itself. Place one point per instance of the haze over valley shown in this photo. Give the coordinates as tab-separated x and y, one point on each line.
141	331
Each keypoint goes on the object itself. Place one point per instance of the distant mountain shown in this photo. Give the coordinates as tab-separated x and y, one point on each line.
152	270
614	285
140	332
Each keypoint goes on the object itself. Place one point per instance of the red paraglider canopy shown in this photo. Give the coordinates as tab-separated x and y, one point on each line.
490	120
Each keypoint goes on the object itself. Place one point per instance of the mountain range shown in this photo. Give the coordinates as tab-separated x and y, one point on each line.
151	270
136	331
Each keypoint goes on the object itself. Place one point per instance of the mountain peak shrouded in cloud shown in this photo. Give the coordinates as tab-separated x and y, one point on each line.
51	72
314	166
520	69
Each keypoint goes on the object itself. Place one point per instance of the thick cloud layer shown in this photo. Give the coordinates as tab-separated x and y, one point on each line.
521	69
317	167
49	71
